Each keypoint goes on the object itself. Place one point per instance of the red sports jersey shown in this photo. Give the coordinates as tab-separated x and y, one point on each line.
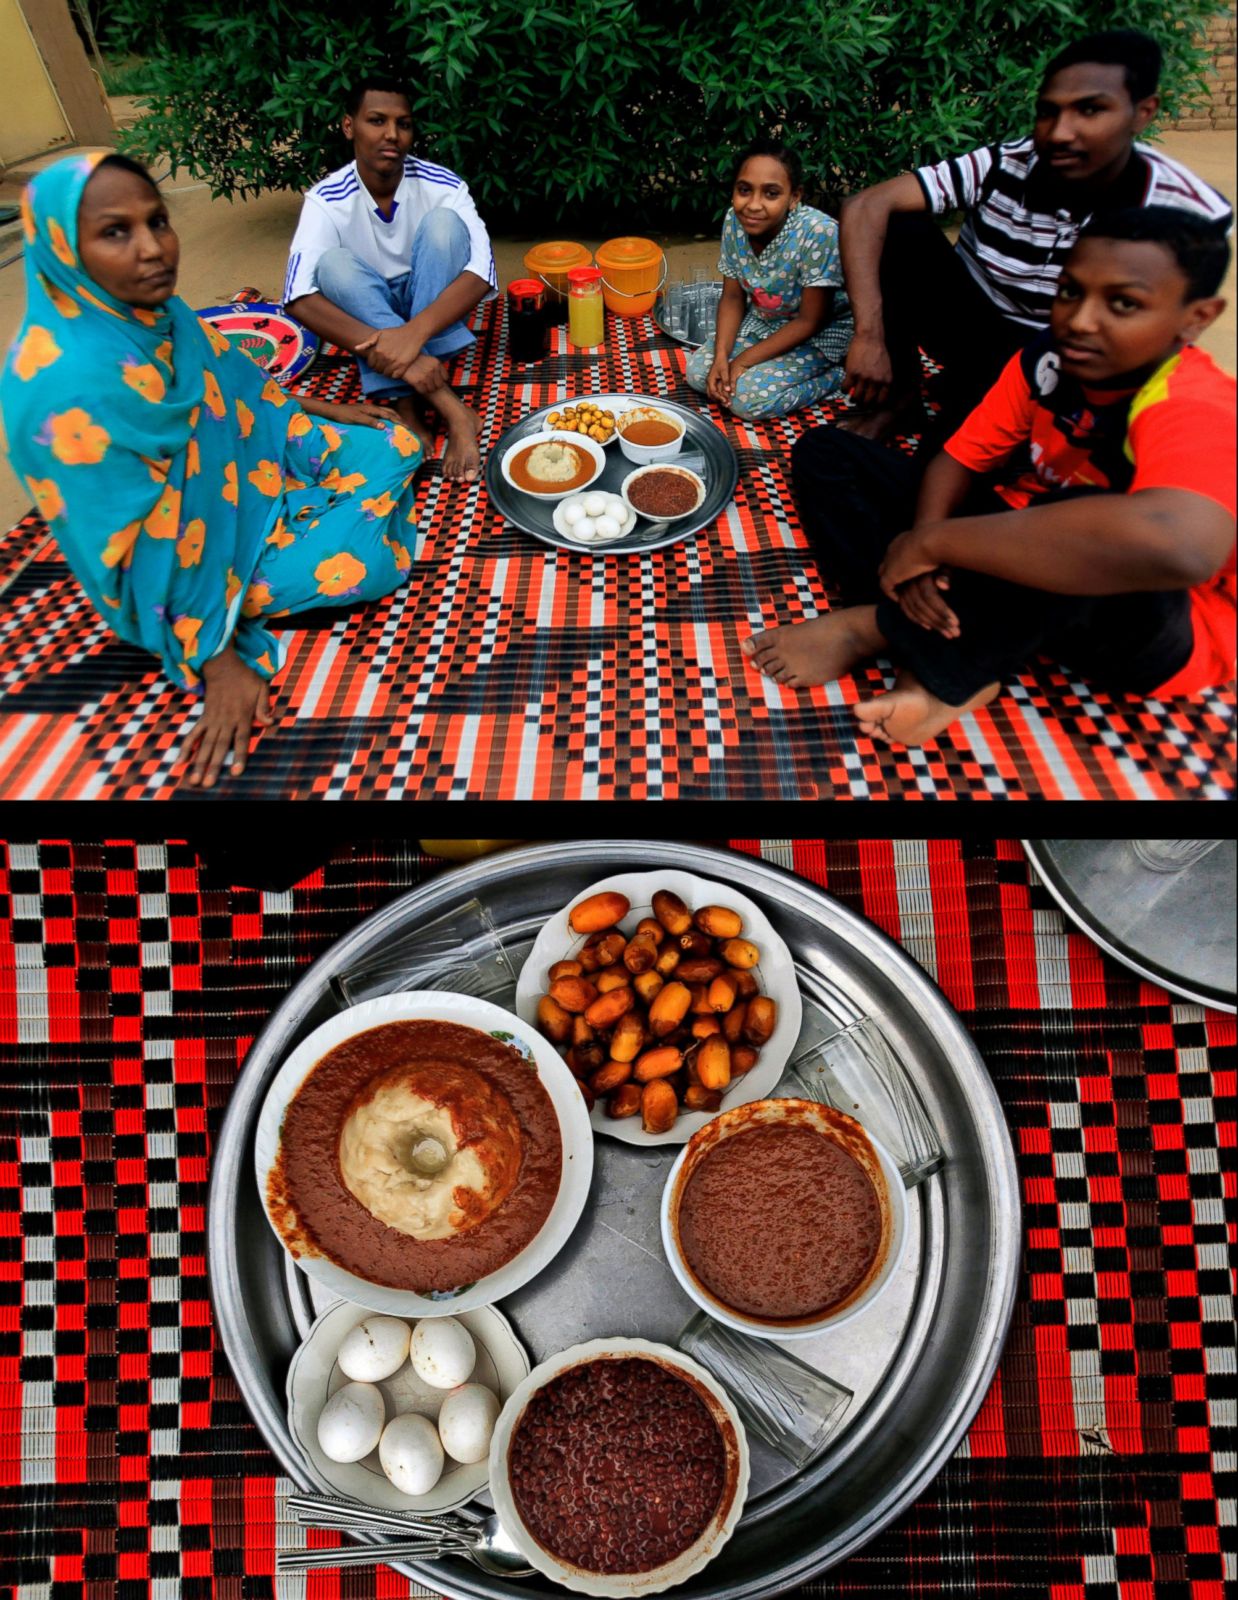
1176	432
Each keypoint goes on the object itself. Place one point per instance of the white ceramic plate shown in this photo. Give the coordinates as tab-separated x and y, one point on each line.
775	974
621	1586
565	1096
629	522
590	446
313	1378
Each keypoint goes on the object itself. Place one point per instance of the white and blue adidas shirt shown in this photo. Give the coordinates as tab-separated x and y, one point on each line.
340	210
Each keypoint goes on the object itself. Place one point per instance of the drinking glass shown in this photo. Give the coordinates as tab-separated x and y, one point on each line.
461	951
1172	855
859	1055
794	1408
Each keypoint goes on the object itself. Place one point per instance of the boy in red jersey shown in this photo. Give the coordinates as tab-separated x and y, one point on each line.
1085	508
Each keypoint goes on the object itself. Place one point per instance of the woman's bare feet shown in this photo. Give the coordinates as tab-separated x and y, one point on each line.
828	647
910	715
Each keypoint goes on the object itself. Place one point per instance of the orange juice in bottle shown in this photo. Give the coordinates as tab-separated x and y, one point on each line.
586	321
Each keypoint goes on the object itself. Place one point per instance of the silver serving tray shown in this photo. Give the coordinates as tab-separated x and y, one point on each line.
919	1362
721	474
1175	928
702	317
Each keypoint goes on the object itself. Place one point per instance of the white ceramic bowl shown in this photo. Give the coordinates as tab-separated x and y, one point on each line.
565	1096
590	446
621	1586
629	522
649	515
314	1376
880	1166
644	455
775	976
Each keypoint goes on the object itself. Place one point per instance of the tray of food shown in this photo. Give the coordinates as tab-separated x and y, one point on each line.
612	472
437	1273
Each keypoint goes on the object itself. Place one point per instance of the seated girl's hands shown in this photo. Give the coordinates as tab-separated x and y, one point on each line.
921	600
236	697
718	385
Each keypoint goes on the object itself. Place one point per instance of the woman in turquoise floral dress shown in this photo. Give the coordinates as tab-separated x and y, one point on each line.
191	496
784	322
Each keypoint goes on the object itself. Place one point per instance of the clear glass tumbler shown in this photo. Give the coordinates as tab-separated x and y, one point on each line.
1171	855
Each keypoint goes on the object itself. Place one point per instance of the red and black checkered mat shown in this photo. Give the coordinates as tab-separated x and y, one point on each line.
506	670
132	982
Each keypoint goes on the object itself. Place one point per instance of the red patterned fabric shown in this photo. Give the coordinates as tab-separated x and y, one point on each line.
132	981
507	670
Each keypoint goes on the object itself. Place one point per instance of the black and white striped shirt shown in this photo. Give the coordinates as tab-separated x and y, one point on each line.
1017	231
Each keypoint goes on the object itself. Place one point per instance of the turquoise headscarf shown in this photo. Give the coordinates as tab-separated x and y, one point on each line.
154	450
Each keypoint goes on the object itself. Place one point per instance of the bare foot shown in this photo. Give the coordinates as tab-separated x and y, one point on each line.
462	458
909	714
876	425
817	651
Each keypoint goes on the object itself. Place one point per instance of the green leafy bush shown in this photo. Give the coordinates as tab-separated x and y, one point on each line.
586	113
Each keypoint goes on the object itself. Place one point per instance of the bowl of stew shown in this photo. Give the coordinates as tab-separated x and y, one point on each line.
784	1218
663	493
519	463
675	1478
647	435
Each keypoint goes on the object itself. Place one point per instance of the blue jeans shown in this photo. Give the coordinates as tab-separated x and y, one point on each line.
441	250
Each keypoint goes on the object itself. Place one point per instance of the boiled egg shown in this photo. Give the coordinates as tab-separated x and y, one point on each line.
442	1352
351	1422
410	1453
616	508
466	1420
586	528
374	1349
607	528
595	505
572	512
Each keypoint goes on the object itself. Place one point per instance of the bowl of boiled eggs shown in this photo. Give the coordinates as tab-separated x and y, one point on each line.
596	517
398	1412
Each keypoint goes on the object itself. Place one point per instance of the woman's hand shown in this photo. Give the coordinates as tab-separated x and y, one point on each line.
718	385
921	600
236	698
908	557
365	414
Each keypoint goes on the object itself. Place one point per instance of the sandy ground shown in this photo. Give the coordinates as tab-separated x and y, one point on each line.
229	245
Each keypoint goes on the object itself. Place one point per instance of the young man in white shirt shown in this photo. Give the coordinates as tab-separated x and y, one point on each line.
388	260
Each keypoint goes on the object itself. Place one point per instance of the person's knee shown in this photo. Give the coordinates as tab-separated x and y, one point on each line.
754	400
337	271
696	373
442	230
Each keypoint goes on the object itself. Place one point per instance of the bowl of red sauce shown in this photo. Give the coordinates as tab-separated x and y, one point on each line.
619	1467
663	493
783	1218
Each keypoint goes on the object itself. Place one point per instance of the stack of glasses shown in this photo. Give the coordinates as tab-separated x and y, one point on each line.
689	309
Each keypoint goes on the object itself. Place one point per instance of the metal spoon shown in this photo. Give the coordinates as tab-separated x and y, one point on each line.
481	1539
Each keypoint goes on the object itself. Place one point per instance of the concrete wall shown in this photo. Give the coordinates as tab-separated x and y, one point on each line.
1221	110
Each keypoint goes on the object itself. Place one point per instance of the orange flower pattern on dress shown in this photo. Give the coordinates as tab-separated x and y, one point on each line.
230	490
64	303
27	217
211	395
267	478
245	419
299	424
257	599
271	391
144	379
403	561
217	341
187	629
382	505
158	470
36	351
193	459
100	305
163	352
164	520
338	483
61	248
119	548
279	535
405	440
339	573
190	545
46	496
76	439
331	435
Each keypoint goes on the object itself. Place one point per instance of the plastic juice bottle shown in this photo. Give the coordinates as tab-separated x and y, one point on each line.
586	320
462	849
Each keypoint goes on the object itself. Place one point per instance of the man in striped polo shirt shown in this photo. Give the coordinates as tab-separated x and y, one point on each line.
1024	202
388	260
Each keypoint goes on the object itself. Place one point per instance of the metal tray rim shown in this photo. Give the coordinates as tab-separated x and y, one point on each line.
998	1156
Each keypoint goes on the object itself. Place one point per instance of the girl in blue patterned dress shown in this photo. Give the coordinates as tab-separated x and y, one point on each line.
191	496
784	322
